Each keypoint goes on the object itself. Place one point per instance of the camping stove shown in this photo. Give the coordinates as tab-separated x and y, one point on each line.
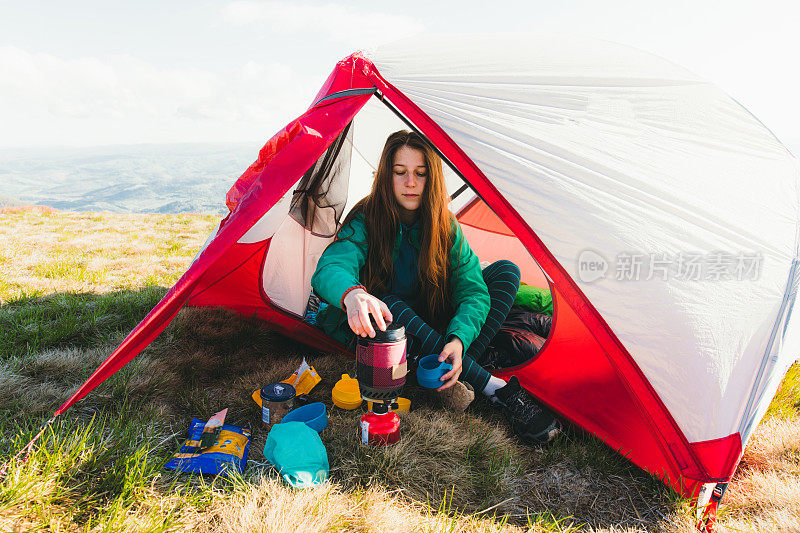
381	369
381	364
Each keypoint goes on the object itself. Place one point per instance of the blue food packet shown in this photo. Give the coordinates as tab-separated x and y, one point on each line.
229	451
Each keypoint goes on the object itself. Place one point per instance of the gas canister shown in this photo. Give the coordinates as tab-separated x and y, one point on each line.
380	427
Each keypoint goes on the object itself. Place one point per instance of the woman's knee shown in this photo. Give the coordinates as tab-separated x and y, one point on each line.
502	267
507	266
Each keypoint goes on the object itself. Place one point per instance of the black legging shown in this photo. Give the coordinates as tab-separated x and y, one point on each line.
502	279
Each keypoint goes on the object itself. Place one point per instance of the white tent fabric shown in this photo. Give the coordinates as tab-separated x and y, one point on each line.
616	156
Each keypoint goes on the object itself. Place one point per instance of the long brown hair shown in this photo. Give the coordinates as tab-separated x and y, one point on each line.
382	219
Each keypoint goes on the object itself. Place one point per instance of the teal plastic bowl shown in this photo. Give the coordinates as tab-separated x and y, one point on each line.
314	415
429	370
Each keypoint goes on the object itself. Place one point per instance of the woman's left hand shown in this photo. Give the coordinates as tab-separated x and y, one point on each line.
452	352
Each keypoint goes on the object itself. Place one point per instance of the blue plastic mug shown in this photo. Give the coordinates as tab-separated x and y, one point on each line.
430	370
314	415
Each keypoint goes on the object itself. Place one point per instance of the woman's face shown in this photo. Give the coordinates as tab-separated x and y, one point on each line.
409	174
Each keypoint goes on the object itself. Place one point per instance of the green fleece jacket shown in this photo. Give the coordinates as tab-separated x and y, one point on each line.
340	265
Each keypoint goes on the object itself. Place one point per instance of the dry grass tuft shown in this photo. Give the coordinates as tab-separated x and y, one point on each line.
776	443
267	505
765	492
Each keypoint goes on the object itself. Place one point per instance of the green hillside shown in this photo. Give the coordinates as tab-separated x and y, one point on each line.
72	285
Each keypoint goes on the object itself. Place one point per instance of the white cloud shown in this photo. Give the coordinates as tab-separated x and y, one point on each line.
47	99
355	27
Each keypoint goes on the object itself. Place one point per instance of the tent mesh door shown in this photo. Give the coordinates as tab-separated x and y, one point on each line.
321	194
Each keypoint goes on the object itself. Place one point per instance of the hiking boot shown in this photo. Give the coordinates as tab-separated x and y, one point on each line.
531	421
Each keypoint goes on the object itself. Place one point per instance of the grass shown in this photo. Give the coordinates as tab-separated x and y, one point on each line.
786	403
99	467
45	252
30	324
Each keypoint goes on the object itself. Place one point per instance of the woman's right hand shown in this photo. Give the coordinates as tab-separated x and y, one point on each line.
359	304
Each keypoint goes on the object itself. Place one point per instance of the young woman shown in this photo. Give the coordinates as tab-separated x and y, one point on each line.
400	256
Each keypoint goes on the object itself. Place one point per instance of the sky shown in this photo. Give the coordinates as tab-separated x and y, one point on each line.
88	73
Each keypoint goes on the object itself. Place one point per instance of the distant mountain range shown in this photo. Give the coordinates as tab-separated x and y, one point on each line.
143	178
146	178
5	201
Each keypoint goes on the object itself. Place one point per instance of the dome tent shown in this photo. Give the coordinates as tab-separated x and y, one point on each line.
578	156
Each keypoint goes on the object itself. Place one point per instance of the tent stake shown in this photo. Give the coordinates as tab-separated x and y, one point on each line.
26	449
706	523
